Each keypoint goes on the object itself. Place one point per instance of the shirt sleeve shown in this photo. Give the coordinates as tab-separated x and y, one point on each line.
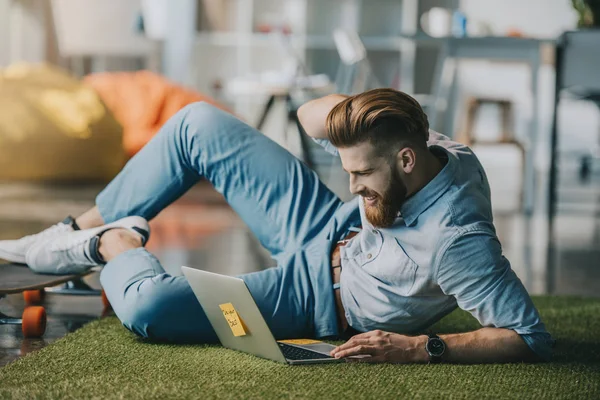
326	144
474	271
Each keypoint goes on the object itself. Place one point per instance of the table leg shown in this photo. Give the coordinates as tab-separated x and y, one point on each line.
265	112
529	180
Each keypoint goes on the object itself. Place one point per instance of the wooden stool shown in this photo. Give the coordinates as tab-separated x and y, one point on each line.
467	136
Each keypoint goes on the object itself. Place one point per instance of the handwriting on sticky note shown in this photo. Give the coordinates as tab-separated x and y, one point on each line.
233	319
300	341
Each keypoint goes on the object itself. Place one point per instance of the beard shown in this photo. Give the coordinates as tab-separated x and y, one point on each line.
384	212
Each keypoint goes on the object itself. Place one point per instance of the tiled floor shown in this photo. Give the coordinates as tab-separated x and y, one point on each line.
200	230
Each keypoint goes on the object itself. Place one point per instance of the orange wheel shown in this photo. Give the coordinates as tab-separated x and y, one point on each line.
34	322
105	301
34	296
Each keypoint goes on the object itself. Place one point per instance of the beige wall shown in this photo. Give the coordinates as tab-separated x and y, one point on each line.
4	29
29	29
26	32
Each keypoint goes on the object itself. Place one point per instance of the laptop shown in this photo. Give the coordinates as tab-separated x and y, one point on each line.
232	311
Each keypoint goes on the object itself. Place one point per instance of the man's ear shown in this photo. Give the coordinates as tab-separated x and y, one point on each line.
406	159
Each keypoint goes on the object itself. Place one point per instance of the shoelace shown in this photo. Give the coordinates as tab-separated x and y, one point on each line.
69	244
73	243
58	228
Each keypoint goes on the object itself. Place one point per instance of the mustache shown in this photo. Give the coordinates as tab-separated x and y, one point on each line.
369	194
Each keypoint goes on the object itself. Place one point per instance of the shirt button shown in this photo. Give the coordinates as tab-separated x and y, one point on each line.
369	256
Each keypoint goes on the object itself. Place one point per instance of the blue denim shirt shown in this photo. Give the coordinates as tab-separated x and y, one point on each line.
441	252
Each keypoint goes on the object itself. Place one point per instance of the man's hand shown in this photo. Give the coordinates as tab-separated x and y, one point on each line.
313	114
486	345
380	346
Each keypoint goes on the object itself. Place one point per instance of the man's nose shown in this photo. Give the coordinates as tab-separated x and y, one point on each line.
355	186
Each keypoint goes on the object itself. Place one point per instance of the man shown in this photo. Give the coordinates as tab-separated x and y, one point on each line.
426	240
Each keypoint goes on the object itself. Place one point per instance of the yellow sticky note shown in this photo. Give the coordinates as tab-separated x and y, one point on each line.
233	319
300	341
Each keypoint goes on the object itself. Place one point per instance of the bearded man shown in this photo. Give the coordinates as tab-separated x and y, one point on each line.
417	241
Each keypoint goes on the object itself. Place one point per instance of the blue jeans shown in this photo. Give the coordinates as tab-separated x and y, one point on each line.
291	212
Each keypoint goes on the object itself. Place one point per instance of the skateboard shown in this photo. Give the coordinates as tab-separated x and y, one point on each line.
17	278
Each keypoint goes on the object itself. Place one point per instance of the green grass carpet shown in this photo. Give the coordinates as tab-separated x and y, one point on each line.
104	360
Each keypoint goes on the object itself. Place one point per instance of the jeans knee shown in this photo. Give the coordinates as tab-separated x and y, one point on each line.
203	116
200	125
143	313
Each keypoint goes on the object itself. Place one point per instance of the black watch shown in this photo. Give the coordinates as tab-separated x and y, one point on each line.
435	348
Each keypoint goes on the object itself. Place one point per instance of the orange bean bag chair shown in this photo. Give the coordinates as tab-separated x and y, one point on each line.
142	102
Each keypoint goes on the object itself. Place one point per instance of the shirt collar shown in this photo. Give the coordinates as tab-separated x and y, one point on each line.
415	205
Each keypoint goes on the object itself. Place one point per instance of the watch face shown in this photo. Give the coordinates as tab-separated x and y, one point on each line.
436	347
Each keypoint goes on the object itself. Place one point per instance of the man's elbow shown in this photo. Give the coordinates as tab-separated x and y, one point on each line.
527	355
536	347
302	116
311	123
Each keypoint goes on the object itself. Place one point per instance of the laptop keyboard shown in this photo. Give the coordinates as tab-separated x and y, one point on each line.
296	353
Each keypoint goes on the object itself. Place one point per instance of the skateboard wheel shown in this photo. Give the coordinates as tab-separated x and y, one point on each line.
34	322
105	301
34	296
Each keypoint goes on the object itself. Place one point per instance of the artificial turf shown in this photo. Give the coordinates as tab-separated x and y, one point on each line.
104	360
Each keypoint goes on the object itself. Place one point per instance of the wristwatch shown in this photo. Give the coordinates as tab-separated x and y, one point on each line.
435	348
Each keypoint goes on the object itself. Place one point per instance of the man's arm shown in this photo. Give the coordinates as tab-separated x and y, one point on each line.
313	114
486	345
472	270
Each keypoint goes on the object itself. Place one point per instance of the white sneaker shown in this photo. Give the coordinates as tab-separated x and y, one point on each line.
15	250
76	252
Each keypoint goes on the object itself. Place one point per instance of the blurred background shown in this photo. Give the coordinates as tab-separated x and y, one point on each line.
84	84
